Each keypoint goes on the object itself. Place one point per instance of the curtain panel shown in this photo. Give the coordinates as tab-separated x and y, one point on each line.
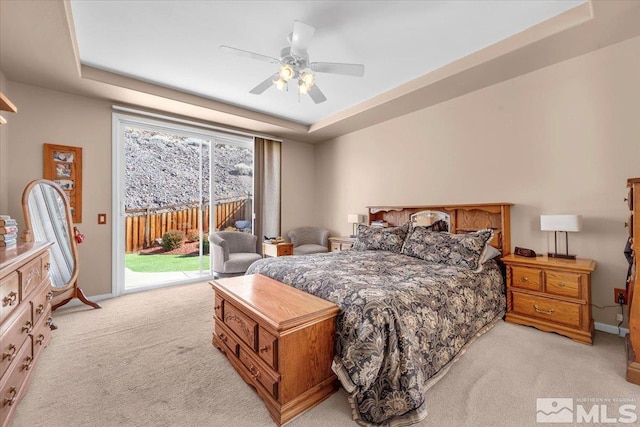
267	189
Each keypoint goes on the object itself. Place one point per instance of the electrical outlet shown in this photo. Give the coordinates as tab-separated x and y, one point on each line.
619	317
617	292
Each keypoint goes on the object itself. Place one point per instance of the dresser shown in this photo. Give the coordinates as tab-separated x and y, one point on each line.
551	294
341	243
25	319
279	339
633	284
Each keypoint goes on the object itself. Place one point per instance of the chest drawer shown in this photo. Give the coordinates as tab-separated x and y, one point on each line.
527	278
244	327
563	283
259	374
547	309
14	336
227	338
9	295
335	246
267	348
40	302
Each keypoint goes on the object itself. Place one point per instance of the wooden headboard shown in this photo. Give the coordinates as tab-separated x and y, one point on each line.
464	219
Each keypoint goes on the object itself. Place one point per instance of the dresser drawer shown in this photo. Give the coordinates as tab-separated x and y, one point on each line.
41	333
9	295
219	307
267	348
527	278
260	375
40	302
227	338
563	283
335	246
547	309
284	250
12	387
244	327
31	275
14	335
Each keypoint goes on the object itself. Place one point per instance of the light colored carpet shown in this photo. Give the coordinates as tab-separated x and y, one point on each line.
146	359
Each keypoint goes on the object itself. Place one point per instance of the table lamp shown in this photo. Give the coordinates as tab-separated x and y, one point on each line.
561	224
355	220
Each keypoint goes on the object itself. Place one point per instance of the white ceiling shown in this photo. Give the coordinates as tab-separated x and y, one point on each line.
175	43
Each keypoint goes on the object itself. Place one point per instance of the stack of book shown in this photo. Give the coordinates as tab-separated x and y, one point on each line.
8	231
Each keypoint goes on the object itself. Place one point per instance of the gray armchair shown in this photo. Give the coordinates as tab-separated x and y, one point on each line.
309	240
232	251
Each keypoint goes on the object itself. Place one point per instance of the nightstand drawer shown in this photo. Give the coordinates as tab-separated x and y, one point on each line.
563	283
547	309
527	278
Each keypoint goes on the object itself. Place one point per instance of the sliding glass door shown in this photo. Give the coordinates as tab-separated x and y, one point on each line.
173	184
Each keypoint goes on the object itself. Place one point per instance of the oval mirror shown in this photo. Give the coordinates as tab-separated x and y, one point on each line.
47	217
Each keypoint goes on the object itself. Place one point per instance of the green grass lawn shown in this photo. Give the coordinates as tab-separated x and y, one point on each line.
164	263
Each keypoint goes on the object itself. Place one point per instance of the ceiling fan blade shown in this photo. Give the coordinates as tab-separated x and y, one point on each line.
247	54
356	70
263	86
317	95
301	38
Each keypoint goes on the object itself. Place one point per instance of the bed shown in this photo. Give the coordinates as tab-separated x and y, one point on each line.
404	319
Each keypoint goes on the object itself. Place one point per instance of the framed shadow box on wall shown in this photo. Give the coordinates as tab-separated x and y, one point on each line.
63	165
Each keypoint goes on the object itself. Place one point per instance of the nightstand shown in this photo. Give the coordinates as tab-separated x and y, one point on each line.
551	294
341	243
276	249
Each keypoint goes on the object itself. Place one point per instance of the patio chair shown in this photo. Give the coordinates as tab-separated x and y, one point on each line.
309	240
232	252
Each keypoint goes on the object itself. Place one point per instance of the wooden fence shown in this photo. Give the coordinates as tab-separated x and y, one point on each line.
144	226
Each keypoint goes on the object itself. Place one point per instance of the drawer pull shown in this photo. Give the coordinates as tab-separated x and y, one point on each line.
217	307
10	299
50	323
50	295
9	402
255	374
264	349
28	326
11	355
223	338
47	266
27	363
550	311
40	339
525	279
40	309
561	284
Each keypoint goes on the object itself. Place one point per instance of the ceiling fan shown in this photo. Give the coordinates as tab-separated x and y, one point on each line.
294	65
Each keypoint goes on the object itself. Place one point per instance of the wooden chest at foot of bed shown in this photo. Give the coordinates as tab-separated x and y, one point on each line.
279	339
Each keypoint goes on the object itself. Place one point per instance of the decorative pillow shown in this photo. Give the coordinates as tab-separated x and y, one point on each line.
489	253
381	238
462	250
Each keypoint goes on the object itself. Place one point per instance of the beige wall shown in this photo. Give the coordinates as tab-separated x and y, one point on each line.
48	116
563	139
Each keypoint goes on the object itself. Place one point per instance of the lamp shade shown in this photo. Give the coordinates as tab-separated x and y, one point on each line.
560	222
353	219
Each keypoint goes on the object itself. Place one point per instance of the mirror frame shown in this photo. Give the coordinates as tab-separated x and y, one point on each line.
63	294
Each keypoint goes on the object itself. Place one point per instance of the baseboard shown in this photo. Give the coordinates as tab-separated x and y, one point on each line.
610	329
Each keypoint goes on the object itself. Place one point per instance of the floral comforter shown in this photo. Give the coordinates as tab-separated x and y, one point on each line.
402	320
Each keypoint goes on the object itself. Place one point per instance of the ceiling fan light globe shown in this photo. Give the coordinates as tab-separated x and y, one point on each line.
309	79
279	84
303	89
286	72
